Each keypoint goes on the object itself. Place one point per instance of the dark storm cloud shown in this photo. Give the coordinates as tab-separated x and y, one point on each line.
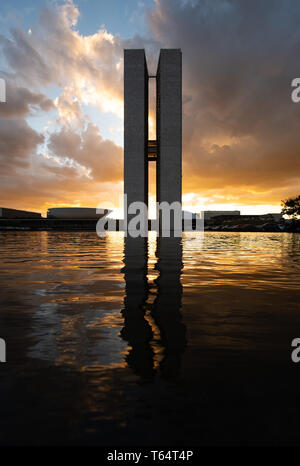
17	144
239	58
18	141
21	101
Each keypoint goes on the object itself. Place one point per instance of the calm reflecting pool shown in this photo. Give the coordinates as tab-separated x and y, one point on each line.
120	341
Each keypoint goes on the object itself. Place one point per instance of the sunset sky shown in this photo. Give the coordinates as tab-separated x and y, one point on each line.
61	130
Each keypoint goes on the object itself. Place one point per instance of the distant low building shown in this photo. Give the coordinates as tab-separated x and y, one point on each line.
79	213
263	217
208	214
186	215
14	213
276	217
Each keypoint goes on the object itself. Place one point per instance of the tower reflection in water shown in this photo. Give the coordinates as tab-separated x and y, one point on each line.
152	320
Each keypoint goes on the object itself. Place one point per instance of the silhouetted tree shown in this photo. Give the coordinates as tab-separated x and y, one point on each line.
291	207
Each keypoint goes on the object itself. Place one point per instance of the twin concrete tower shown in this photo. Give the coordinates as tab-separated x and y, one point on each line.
166	150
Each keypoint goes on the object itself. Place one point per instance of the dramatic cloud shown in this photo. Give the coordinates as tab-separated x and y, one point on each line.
241	129
55	53
21	101
101	158
17	144
67	162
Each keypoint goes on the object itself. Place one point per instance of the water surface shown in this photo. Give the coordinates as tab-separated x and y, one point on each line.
114	341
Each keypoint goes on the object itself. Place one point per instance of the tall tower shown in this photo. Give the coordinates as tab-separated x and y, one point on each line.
169	126
166	150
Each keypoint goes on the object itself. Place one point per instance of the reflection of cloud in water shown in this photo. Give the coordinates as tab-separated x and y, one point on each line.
78	320
240	305
78	324
86	339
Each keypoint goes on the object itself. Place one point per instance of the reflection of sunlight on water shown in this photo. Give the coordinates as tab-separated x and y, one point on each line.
238	259
94	304
158	340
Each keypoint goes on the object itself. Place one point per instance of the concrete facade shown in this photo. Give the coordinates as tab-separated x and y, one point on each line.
135	126
169	126
15	213
76	213
166	151
208	214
